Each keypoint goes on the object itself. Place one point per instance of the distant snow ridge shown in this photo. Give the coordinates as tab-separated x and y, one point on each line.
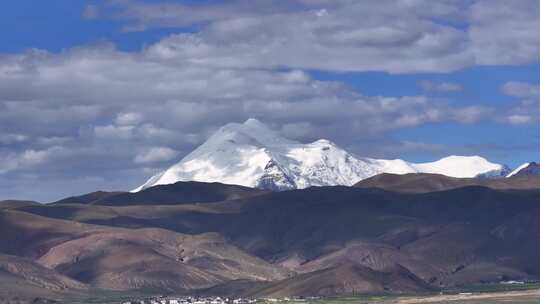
252	155
526	169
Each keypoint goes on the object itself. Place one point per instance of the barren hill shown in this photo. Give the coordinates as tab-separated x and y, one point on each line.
315	241
424	182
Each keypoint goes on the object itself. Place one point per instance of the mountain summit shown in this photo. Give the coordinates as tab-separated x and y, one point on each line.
251	154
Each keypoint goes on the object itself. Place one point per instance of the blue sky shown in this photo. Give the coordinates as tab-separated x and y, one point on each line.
59	24
481	86
88	86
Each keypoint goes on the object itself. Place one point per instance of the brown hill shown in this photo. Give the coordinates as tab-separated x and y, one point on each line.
118	258
10	204
297	229
155	258
28	282
445	238
180	193
424	182
346	278
87	198
36	274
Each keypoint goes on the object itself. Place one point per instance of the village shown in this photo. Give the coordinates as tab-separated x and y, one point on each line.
213	300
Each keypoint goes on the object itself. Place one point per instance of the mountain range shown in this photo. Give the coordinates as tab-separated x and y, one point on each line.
339	225
390	233
252	155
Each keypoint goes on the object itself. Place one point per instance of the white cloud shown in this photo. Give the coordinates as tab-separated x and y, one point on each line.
150	131
424	35
155	154
53	140
527	110
505	32
7	139
521	89
130	118
112	131
443	87
517	119
471	114
349	36
28	158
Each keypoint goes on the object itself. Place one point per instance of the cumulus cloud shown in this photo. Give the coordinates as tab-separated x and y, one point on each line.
27	159
443	87
112	131
521	89
438	36
519	119
128	118
504	32
7	139
471	114
155	154
527	109
340	35
176	94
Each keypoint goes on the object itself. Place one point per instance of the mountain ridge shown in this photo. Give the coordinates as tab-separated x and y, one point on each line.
253	155
428	182
526	169
312	241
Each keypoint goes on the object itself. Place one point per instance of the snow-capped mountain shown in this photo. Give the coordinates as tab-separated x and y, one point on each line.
253	155
526	169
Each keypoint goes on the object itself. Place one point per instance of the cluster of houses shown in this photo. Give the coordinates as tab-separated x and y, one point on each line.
191	300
